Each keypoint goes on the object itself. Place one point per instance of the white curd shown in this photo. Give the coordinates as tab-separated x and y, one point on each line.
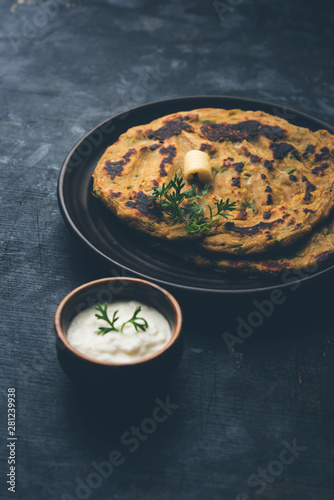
119	347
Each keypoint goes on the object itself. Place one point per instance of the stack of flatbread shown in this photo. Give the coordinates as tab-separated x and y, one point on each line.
280	176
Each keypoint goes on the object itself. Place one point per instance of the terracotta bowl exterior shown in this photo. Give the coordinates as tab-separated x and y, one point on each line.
81	368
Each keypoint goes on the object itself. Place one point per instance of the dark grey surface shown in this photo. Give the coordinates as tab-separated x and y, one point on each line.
61	74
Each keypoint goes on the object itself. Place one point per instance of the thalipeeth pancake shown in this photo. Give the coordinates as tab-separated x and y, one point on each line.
308	255
281	177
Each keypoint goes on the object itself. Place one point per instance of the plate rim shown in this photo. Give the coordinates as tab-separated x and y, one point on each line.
189	288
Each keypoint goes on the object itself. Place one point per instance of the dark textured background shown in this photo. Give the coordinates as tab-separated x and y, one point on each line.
62	72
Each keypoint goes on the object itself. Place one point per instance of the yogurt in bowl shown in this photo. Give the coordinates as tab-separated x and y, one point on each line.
122	339
119	332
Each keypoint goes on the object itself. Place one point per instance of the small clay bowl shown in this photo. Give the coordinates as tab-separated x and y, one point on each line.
83	369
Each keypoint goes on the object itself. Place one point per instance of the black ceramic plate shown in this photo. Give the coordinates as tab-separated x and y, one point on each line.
114	242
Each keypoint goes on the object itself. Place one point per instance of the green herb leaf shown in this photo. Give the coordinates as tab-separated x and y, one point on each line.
237	248
289	170
137	322
104	315
96	193
248	204
183	207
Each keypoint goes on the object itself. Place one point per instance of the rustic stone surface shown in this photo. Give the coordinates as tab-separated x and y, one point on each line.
64	68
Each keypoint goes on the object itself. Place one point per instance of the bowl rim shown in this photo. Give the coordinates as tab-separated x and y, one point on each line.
167	296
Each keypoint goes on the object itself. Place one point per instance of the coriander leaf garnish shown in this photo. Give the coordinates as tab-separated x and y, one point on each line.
183	206
289	170
138	323
104	315
248	204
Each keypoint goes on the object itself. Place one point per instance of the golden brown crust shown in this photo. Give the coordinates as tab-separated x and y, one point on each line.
310	254
281	177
